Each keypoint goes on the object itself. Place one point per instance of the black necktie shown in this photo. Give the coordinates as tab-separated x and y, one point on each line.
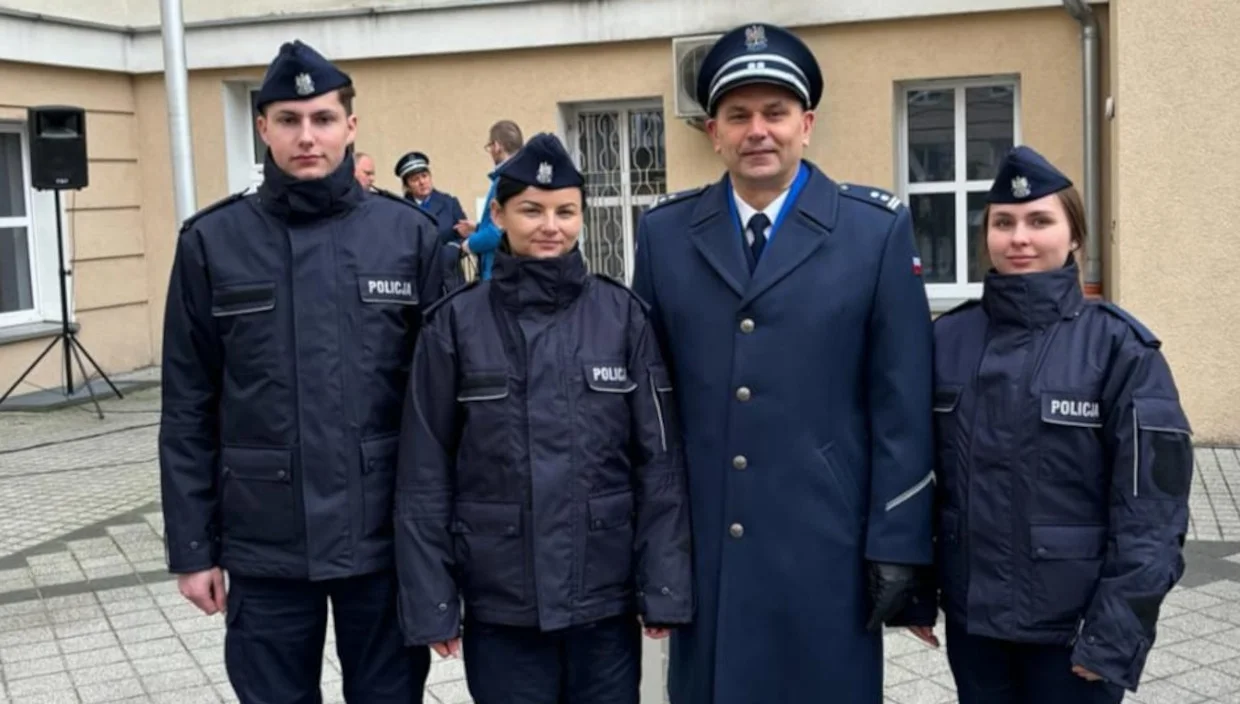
757	225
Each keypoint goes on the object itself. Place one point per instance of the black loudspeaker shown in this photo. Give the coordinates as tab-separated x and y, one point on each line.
58	148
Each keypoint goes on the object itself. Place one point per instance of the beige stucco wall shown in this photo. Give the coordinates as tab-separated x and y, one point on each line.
103	221
1174	242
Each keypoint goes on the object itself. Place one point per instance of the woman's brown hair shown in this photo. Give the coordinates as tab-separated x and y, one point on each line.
1073	207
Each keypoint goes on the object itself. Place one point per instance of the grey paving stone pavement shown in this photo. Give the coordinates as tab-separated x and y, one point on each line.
89	614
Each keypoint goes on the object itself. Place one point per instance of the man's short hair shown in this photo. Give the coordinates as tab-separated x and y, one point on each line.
508	134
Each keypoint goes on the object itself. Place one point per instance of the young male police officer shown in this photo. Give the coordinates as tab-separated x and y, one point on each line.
796	323
291	319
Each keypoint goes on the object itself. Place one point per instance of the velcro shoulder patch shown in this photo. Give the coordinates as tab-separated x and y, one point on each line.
217	205
1144	334
876	197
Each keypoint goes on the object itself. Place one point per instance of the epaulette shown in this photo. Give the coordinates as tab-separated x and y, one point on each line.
605	278
430	310
677	197
1144	334
189	222
876	197
406	202
961	307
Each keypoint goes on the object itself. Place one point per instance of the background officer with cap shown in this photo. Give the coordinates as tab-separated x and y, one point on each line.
798	332
290	322
1064	460
541	476
414	172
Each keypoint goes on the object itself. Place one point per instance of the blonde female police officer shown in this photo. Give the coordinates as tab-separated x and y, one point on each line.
541	478
799	336
290	322
1064	461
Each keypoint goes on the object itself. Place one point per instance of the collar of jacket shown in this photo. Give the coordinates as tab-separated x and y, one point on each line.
1033	300
524	282
297	201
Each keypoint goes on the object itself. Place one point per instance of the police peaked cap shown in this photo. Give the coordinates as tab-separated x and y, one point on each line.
543	163
299	73
759	53
1025	175
412	163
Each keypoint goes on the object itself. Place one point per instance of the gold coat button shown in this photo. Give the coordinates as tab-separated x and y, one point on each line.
740	462
747	325
743	394
737	530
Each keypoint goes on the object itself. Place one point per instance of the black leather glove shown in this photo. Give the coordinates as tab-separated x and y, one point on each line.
890	588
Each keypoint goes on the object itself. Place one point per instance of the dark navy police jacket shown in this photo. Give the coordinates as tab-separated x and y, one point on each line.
541	475
447	212
290	324
1064	463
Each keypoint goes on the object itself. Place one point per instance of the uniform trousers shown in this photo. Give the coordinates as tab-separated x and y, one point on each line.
276	628
596	663
990	671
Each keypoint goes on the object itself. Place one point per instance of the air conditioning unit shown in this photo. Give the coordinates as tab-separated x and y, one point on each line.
687	55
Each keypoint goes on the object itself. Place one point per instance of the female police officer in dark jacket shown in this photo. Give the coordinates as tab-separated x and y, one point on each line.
540	474
1064	461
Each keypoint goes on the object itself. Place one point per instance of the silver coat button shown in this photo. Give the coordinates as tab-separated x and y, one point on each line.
737	530
743	394
747	325
740	462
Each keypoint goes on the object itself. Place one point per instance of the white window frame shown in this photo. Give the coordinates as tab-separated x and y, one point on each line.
946	295
40	224
244	173
626	201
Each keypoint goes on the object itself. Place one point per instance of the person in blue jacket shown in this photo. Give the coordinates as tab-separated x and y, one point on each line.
289	324
541	477
484	237
1064	462
797	328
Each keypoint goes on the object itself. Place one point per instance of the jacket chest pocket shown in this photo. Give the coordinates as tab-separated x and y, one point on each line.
486	425
604	410
491	552
387	317
1068	444
245	315
949	454
257	499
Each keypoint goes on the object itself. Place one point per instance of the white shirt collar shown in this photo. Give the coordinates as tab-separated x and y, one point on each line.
747	211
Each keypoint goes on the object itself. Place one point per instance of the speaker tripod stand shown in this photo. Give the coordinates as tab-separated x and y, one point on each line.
73	348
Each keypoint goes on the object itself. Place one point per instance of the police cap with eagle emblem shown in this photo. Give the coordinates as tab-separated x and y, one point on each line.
1024	176
299	73
759	53
543	163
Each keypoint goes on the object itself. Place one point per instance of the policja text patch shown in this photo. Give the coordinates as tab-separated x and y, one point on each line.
386	289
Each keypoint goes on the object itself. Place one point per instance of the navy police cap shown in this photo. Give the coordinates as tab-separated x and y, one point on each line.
412	163
299	73
759	53
543	163
1025	175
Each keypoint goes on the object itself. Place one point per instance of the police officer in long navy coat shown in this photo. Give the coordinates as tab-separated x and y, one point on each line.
798	332
1064	460
541	477
289	328
414	172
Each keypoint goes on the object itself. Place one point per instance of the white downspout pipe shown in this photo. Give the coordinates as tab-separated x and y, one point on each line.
176	82
1082	13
